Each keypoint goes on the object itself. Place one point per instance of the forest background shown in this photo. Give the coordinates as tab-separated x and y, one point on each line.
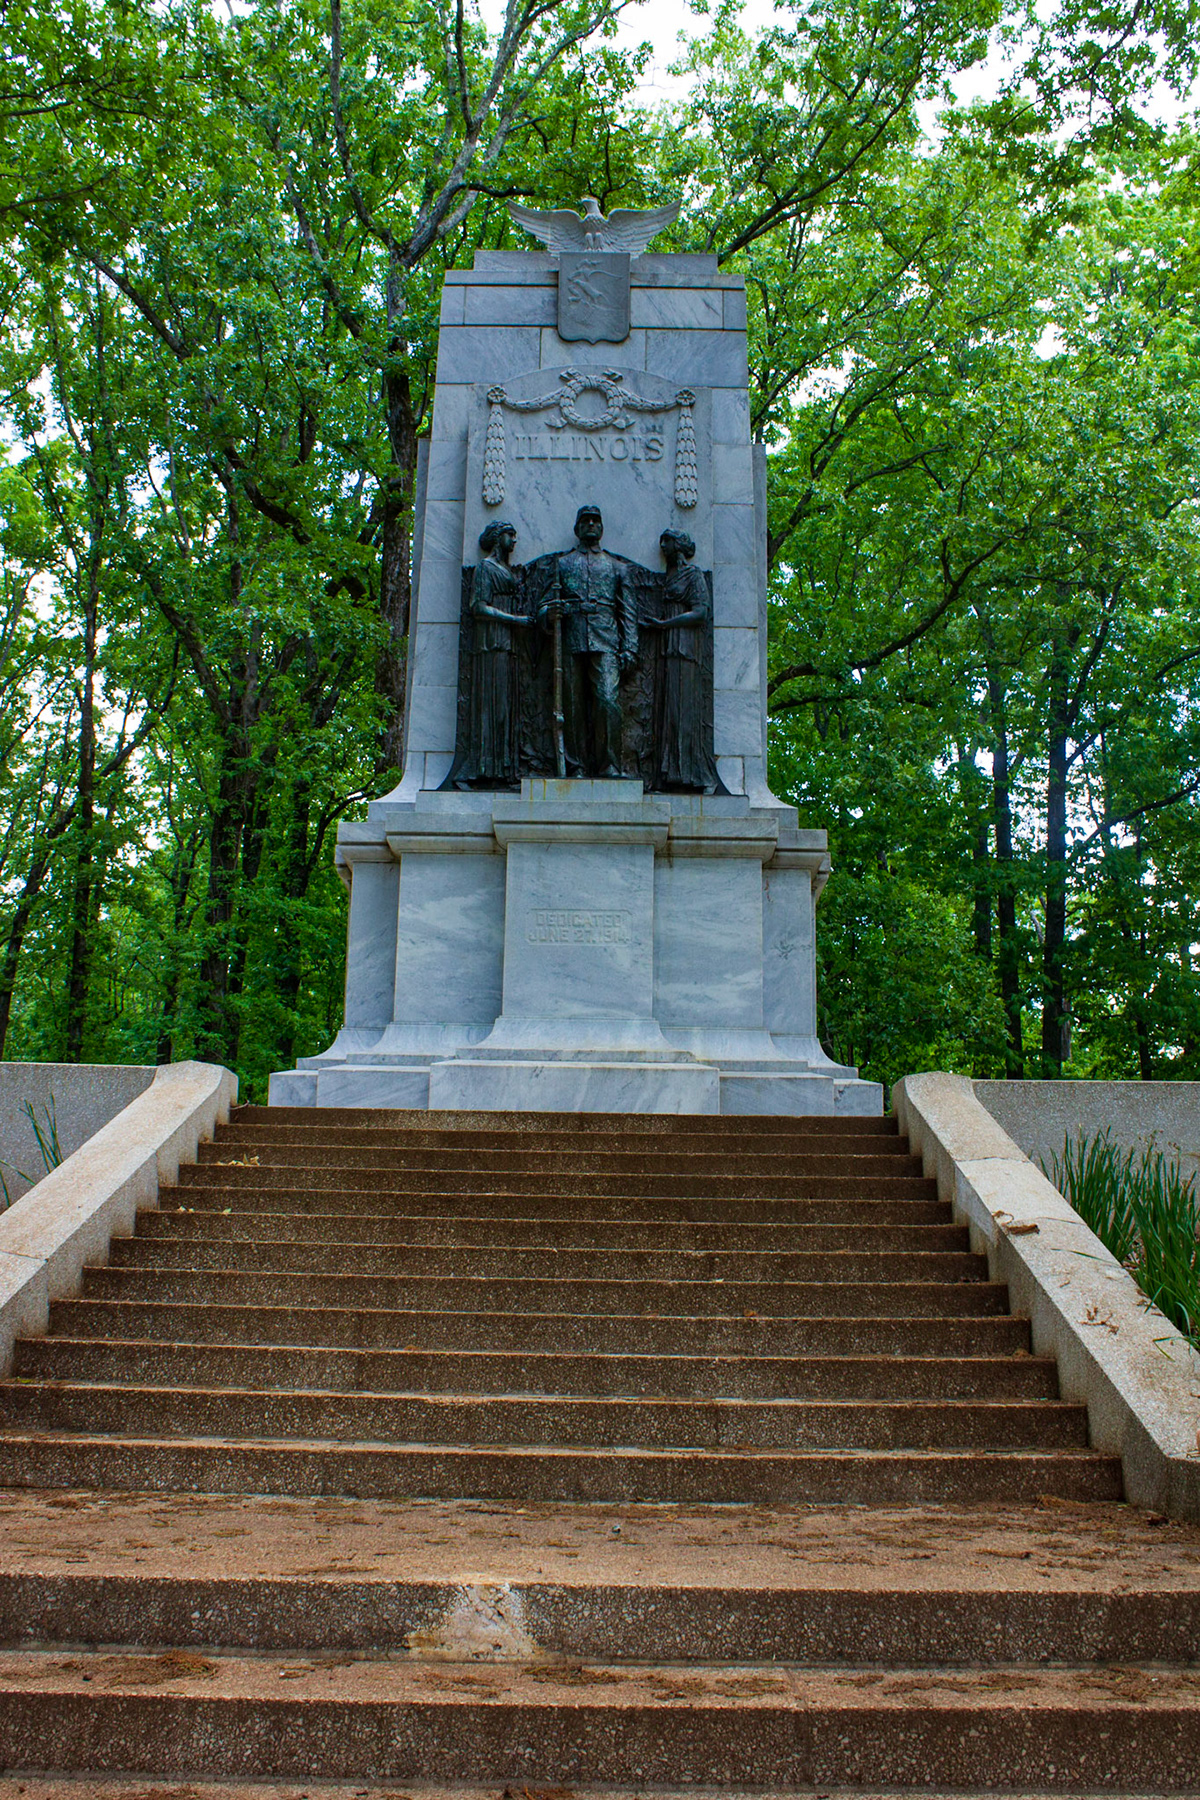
975	364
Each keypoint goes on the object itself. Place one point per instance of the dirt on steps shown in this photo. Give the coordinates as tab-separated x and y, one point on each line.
557	1457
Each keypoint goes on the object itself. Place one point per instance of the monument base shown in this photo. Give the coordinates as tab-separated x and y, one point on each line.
580	947
569	1087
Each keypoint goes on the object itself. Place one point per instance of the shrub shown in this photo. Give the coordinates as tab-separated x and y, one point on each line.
1146	1212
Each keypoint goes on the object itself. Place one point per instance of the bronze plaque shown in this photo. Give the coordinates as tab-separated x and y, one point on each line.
593	297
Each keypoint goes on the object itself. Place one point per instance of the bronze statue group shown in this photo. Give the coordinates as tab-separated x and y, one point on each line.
584	612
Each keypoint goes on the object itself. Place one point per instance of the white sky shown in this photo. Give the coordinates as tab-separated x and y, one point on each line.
663	25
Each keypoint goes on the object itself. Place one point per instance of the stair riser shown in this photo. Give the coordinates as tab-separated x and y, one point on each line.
926	1299
381	1180
768	1378
241	1202
561	1234
551	1332
1022	1748
536	1163
535	1264
525	1476
610	1624
644	1424
782	1142
515	1126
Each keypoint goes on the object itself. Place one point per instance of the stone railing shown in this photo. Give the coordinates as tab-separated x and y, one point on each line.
1138	1375
54	1231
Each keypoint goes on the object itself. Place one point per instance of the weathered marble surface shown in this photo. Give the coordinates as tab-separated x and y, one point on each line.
581	945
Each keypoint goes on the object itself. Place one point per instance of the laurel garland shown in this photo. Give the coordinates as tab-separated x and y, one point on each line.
687	480
495	475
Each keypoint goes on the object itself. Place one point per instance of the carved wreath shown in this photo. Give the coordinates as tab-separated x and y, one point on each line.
619	404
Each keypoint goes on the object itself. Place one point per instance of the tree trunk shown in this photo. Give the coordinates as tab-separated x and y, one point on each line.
181	884
253	829
1008	955
395	588
82	910
16	939
215	1037
294	882
1054	1008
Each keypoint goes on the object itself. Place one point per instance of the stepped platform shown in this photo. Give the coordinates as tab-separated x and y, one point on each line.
568	1456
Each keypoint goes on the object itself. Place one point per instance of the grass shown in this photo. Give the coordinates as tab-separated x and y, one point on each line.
1146	1212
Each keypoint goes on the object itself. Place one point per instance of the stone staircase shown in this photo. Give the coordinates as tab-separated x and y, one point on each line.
639	1453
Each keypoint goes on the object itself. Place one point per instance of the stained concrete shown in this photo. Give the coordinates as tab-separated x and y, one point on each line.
1138	1115
66	1222
241	1646
1138	1375
77	1098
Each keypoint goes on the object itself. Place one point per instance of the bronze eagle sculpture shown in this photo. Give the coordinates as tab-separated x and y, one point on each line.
627	230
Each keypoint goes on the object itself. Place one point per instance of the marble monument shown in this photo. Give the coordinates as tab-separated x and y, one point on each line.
583	896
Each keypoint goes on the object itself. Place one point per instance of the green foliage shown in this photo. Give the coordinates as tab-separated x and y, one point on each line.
1146	1212
974	359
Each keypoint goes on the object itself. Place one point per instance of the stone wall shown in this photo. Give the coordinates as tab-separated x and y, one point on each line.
83	1098
1039	1115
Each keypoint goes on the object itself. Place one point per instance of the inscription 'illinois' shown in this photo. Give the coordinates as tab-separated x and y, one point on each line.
578	925
546	446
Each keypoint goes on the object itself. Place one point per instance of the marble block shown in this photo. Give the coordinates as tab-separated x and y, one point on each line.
574	1087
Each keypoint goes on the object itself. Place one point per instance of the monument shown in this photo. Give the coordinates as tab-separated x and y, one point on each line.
582	896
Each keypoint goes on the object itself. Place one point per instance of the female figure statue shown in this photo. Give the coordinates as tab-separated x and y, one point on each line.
490	756
683	756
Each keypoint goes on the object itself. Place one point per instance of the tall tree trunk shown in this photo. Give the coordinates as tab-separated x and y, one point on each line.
295	885
395	593
181	884
982	920
1054	1008
1008	952
253	840
16	938
82	909
216	1030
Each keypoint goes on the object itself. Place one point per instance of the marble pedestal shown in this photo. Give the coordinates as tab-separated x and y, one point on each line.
580	947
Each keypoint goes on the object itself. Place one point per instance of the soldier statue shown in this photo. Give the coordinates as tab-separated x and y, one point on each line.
594	606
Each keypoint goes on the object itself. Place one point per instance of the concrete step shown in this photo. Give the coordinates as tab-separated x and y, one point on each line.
973	1585
653	1125
212	1321
730	1144
44	1459
255	1226
276	1172
129	1410
148	1362
217	1195
527	1161
32	1785
573	1617
463	1293
521	1262
1128	1731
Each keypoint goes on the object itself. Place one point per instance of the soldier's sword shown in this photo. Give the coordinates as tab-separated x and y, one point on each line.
560	743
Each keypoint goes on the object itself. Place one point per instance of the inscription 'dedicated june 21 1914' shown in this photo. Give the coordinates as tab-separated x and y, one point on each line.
579	925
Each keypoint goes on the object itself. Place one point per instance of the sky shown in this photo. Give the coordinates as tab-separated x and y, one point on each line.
661	24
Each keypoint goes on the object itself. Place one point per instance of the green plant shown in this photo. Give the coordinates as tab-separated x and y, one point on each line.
45	1131
1145	1210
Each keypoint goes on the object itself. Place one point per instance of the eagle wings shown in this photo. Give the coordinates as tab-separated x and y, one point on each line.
625	231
